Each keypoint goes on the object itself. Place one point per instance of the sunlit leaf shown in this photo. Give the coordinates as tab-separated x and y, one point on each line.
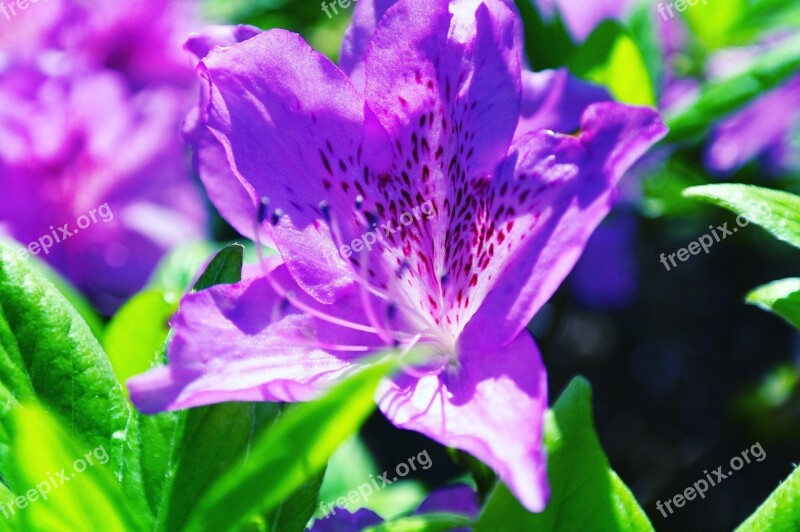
296	449
143	318
781	297
49	355
776	211
63	485
713	21
585	493
435	522
781	511
611	58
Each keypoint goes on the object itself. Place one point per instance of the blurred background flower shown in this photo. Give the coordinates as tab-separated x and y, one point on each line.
92	97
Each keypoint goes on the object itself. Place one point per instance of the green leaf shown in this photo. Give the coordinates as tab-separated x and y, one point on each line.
721	98
547	41
296	449
781	297
71	294
159	436
644	30
713	21
774	210
781	510
63	485
435	522
611	58
294	513
585	493
143	318
178	270
48	353
215	439
224	268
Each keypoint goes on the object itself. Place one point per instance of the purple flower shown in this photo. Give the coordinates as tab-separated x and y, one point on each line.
73	144
407	214
762	129
140	38
457	499
345	521
606	277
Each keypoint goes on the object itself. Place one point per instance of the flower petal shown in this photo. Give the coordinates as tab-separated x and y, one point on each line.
492	407
456	64
555	100
240	343
356	40
547	200
752	131
296	131
234	198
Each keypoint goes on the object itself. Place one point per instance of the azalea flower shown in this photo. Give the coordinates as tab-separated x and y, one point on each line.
762	130
92	96
292	148
73	144
140	38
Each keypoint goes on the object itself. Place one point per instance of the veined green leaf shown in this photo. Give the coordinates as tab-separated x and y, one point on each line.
294	512
585	493
61	484
781	510
224	268
49	355
209	440
71	294
296	449
214	439
776	211
781	297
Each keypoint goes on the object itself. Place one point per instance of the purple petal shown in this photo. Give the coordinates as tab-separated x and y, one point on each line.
760	127
241	343
358	36
552	194
235	199
72	144
459	499
295	130
491	406
555	100
344	521
606	276
460	71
